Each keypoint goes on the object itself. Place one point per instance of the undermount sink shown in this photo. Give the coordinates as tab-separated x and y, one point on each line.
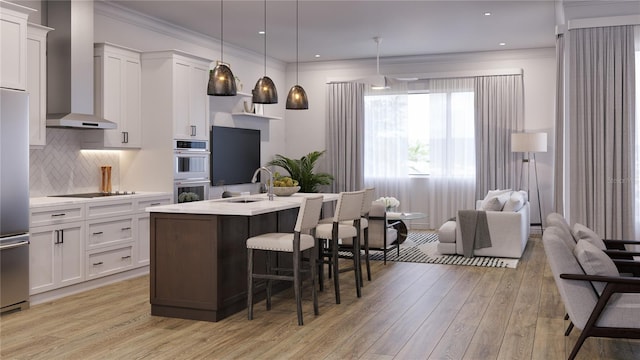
243	200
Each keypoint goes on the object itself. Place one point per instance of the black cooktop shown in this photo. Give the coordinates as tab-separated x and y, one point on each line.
94	194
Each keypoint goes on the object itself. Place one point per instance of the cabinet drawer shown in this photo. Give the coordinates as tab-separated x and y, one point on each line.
109	261
57	214
145	203
110	231
109	208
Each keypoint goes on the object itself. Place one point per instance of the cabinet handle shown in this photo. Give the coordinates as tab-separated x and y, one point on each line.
125	228
125	137
56	215
97	233
98	263
62	236
126	257
57	240
193	130
155	204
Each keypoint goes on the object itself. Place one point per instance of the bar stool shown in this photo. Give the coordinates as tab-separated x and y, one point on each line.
345	224
294	243
364	228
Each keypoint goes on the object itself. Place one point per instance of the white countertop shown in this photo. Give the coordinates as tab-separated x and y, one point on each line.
35	202
227	206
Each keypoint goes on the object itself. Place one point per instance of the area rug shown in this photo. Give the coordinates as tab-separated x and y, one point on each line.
421	247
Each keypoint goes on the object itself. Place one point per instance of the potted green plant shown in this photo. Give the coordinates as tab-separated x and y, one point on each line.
302	170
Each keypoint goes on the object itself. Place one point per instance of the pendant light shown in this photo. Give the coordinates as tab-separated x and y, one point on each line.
297	98
265	90
221	79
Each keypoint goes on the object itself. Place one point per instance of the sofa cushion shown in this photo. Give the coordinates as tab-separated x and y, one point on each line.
581	232
490	204
594	262
516	201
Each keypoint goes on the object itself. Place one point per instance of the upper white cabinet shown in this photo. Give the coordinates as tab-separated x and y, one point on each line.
186	76
37	83
13	45
117	95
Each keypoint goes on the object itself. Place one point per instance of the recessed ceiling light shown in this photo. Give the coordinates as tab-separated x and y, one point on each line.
487	14
261	32
502	44
317	55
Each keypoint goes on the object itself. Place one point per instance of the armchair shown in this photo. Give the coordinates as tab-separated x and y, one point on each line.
597	299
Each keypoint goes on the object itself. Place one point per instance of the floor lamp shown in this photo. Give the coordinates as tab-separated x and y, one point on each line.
530	143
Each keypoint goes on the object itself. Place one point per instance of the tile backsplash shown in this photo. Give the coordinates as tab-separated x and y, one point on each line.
61	167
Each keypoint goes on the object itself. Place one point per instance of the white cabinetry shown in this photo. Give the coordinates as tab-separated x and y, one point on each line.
13	45
186	76
117	95
109	237
37	83
79	243
142	220
57	246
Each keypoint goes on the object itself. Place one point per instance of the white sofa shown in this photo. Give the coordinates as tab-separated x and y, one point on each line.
509	232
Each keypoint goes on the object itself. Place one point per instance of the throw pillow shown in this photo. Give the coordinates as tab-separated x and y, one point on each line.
515	203
581	232
594	262
492	204
489	204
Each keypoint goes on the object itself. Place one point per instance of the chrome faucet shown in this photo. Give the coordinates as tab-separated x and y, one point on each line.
270	188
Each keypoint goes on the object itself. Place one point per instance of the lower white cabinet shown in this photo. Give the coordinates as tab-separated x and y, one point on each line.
56	256
143	220
110	260
76	242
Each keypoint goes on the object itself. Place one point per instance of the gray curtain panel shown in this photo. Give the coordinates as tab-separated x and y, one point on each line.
558	174
345	135
499	102
602	129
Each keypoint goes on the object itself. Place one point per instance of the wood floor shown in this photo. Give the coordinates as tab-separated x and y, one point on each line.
408	311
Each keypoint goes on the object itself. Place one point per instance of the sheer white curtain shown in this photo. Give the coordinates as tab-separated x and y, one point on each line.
452	181
386	142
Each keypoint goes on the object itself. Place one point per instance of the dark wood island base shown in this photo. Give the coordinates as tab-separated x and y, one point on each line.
198	264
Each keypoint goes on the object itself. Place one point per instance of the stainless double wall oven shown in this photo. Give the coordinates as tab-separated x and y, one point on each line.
191	170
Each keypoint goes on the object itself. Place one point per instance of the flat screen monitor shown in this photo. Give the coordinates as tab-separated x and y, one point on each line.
235	155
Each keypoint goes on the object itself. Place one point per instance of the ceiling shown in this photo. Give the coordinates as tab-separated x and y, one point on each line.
339	30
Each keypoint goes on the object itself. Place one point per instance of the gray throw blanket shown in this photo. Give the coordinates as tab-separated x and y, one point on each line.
474	230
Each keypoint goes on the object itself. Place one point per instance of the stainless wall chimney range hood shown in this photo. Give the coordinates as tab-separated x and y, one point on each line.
70	66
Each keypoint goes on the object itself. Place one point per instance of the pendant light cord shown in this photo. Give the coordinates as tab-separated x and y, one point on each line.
222	31
265	37
297	62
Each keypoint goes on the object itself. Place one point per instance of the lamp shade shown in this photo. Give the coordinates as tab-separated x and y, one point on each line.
265	91
297	99
221	81
529	142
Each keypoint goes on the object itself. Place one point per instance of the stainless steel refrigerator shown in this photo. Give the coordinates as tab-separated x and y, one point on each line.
14	199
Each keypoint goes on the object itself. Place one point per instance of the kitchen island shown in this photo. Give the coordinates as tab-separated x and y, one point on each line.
198	264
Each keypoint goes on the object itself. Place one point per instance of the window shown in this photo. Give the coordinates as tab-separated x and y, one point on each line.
408	130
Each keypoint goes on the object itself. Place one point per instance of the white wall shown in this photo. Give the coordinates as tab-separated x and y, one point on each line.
305	130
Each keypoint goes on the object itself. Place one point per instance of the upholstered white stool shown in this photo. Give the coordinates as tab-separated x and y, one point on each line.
447	238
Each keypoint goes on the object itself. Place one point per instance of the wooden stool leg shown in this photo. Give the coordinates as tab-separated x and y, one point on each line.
296	285
250	283
366	252
319	253
269	281
336	270
357	265
314	293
